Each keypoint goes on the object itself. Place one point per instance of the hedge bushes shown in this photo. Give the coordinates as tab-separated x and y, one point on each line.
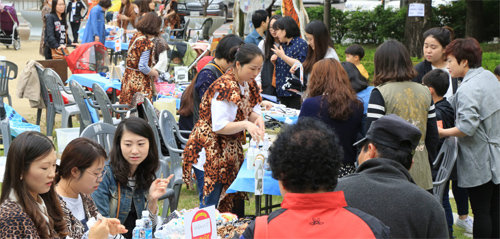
375	26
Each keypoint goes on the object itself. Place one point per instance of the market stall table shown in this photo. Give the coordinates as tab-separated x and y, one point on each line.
245	182
88	80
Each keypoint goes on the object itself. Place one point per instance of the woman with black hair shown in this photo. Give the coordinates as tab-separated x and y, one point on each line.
192	96
56	36
224	58
435	41
267	77
29	205
292	49
128	186
229	108
79	174
320	45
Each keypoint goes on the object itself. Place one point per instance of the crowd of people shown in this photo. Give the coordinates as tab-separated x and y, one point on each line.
345	168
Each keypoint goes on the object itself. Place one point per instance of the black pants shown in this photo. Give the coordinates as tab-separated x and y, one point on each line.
485	204
461	196
75	26
291	101
47	53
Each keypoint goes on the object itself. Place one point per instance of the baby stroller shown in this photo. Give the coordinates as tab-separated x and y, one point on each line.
8	27
88	58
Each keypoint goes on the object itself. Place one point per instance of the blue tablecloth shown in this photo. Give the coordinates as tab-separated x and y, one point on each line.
281	118
111	45
245	182
89	79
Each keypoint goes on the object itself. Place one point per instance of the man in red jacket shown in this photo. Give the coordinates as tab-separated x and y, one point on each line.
305	159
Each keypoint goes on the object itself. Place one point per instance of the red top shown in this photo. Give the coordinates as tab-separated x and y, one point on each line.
318	215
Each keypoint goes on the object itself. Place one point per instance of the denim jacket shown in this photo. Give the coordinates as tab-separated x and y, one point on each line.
106	197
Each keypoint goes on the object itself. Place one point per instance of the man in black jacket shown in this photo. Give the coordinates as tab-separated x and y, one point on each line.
383	187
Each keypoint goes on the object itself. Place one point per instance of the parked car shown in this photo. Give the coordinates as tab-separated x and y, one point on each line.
368	5
310	2
216	8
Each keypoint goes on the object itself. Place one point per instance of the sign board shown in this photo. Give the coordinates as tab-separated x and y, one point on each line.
416	10
200	224
118	44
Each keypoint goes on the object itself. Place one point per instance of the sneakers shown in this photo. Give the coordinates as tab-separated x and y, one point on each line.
465	224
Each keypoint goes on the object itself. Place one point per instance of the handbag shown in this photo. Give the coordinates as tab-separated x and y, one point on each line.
59	53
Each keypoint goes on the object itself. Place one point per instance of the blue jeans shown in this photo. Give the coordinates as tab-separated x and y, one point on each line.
213	197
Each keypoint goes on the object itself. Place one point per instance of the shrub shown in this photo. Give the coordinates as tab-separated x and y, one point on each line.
338	21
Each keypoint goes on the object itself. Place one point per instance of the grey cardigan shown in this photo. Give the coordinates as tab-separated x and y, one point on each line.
477	107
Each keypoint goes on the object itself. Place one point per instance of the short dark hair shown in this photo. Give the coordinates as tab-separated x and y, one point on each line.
465	49
437	79
227	47
443	35
355	50
497	70
149	23
145	172
392	63
80	153
105	3
288	24
246	53
258	17
306	157
402	157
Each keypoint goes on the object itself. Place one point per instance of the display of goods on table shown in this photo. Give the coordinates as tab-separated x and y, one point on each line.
228	225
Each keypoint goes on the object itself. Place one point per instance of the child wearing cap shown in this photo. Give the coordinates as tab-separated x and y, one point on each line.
354	54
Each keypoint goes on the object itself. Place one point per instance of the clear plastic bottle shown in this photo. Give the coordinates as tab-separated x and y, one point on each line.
251	153
147	224
139	232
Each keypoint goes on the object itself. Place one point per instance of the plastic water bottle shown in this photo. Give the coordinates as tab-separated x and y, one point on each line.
139	232
148	228
251	153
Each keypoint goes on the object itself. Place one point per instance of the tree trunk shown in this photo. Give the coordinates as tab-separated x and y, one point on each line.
414	29
473	23
326	14
403	3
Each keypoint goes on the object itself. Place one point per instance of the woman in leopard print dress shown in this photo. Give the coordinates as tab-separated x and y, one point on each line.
139	74
230	106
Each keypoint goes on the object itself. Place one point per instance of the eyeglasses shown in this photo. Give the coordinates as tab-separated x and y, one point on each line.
98	175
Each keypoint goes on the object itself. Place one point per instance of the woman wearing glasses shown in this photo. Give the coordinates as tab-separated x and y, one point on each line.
80	172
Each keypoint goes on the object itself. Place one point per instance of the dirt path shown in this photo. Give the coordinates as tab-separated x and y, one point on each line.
28	51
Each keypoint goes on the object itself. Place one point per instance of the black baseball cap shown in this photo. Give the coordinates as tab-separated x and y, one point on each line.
394	132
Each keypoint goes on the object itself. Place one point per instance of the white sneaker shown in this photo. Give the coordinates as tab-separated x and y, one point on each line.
466	224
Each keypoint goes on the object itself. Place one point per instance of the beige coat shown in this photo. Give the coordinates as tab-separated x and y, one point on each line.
28	86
